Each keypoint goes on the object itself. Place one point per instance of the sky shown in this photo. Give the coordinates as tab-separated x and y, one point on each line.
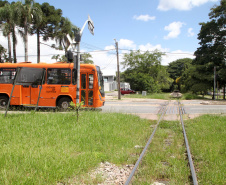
171	26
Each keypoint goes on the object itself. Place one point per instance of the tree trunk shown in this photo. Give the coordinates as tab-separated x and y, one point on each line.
38	47
25	40
14	44
9	48
213	97
224	92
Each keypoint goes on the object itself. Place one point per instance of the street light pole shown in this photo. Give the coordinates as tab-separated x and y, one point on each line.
78	73
118	75
78	37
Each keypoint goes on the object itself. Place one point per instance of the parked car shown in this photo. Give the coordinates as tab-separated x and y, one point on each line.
127	91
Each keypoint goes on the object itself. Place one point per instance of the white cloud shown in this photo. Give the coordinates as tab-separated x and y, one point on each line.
111	47
169	56
46	51
190	32
107	62
144	17
166	5
174	29
175	55
150	47
126	44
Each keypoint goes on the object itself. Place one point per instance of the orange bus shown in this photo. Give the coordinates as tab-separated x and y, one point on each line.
58	89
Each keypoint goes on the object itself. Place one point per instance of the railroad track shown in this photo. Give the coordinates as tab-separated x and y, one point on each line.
168	108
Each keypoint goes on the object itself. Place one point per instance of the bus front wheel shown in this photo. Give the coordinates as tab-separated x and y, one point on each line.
3	102
64	103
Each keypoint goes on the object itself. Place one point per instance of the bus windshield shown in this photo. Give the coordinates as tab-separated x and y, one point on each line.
100	81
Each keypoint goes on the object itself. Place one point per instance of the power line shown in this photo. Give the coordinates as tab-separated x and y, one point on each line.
111	60
160	51
90	46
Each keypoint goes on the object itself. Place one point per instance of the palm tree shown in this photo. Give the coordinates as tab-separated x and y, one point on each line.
2	53
56	57
6	17
64	28
51	18
27	12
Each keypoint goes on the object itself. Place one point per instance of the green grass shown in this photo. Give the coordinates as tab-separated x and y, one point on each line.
46	148
165	160
190	96
207	138
163	96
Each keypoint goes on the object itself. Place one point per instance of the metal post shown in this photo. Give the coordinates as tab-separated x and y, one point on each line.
78	36
78	73
43	79
118	75
14	83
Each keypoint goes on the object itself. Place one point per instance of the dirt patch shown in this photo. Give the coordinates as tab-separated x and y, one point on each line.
106	173
111	174
167	117
171	117
148	116
214	102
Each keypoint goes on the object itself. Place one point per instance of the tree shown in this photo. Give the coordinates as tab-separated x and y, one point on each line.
164	80
176	70
3	54
212	50
86	58
59	59
6	17
56	57
9	19
47	26
143	71
193	80
63	30
26	13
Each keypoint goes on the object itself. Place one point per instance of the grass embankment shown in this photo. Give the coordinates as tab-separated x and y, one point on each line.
166	160
207	138
163	96
49	148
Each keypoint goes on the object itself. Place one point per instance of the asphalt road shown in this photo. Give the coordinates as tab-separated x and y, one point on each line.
143	106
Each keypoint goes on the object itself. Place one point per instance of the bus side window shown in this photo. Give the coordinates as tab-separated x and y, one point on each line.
59	76
74	77
7	75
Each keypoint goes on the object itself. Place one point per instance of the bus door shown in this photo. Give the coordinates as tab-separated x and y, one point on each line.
30	94
86	90
34	94
26	94
29	78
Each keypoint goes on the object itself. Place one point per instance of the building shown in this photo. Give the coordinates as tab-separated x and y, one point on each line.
110	84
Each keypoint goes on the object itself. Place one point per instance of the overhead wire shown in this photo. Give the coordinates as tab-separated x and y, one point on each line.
111	60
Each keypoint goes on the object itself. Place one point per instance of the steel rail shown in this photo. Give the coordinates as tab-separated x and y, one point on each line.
194	178
146	146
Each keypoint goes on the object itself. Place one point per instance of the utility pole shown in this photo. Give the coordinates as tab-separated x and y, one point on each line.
118	72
